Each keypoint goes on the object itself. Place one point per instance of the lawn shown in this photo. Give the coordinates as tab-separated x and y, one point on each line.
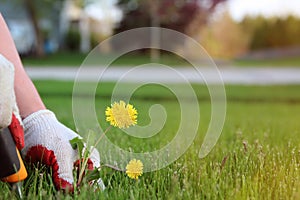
75	59
256	157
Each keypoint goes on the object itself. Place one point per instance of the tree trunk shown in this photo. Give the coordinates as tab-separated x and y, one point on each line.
155	35
31	9
84	29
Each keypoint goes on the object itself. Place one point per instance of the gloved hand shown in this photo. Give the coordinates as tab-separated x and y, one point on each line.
9	113
48	141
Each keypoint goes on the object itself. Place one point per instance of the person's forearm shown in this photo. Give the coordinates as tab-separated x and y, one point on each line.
27	97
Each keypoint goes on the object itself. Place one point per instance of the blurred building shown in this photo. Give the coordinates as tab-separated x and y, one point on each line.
56	21
97	18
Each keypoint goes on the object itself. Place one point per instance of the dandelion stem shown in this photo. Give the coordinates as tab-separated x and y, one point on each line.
99	139
113	167
85	158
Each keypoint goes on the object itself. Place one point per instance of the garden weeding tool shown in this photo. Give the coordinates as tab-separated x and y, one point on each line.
12	169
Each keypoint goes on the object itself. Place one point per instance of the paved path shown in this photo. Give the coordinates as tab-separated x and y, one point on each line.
230	75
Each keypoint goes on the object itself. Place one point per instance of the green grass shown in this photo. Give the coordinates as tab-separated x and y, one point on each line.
75	59
56	59
256	157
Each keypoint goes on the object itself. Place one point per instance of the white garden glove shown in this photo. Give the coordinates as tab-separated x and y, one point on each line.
48	141
9	113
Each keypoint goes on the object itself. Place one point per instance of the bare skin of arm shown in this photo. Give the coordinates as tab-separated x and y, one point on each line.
46	139
27	97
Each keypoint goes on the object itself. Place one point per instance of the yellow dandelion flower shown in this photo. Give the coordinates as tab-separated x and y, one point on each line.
134	169
121	115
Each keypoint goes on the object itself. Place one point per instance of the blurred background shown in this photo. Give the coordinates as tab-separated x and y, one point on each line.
230	30
256	46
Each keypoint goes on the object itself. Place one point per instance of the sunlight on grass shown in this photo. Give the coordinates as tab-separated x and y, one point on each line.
256	157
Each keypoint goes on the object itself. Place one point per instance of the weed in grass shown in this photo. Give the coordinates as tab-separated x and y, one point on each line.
256	157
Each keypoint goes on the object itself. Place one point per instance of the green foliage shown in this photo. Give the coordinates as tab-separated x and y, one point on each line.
72	40
77	143
225	46
251	34
272	32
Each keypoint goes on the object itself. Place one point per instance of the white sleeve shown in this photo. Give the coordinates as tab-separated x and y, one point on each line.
7	99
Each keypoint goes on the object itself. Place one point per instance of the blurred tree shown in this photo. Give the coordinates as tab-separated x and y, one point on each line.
32	12
272	32
185	16
219	45
39	9
36	10
180	15
252	26
293	30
